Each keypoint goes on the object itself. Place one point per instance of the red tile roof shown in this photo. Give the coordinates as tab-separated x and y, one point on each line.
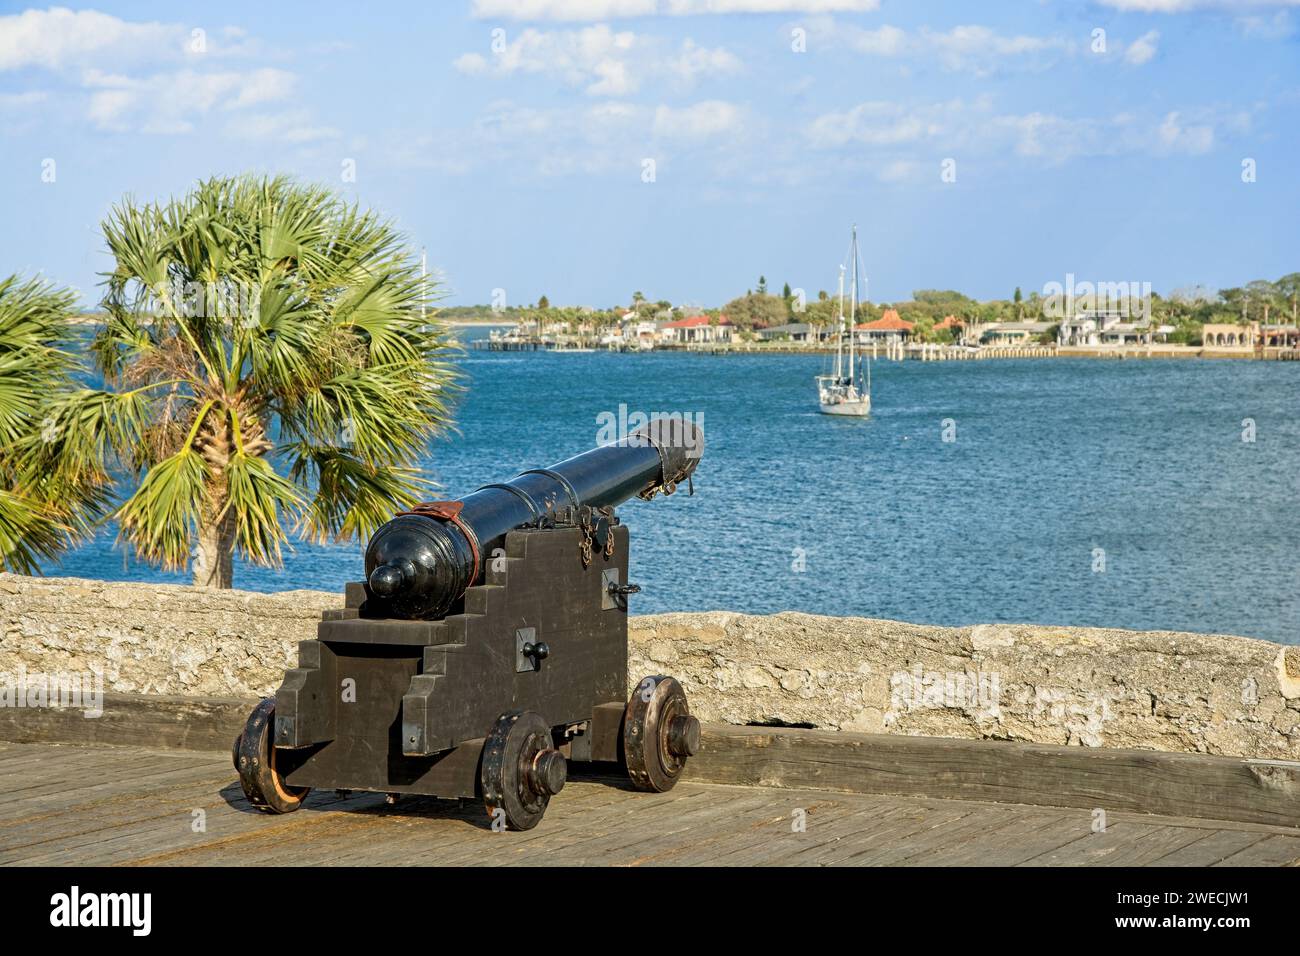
889	322
949	322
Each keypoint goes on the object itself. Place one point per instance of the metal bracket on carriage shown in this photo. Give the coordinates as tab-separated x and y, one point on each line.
555	518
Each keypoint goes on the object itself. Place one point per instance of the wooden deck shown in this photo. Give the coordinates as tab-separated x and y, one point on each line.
97	805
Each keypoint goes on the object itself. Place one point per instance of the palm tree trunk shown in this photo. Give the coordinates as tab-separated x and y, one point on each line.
214	565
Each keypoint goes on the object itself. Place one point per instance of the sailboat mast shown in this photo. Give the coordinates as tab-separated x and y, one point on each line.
839	334
853	302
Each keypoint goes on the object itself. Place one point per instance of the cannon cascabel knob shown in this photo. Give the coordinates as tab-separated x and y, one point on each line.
386	580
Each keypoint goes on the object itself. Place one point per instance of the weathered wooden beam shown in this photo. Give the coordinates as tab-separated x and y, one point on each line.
135	720
1185	785
1145	781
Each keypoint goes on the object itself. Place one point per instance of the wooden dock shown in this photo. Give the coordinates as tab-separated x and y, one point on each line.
105	805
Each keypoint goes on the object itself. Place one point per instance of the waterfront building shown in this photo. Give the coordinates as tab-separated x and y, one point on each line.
1013	333
889	328
1087	328
1221	335
795	332
640	333
1098	329
699	328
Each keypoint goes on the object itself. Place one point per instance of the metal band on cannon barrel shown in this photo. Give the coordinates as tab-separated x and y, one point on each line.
420	563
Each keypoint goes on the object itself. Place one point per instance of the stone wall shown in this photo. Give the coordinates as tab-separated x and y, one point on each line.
1160	690
156	638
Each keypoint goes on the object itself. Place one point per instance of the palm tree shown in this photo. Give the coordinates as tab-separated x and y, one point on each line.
264	359
42	508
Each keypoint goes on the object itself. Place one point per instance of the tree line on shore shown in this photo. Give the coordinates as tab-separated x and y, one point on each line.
1186	310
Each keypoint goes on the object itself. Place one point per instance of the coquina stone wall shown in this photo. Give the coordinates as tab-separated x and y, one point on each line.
1148	689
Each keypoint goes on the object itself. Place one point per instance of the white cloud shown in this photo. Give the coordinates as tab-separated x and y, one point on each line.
21	101
1185	6
698	121
614	9
1176	137
167	102
884	41
968	48
978	48
1142	49
150	77
888	135
603	61
897	171
294	126
610	137
1277	27
59	37
881	124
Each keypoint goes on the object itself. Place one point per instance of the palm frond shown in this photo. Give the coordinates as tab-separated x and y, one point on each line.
257	496
353	498
29	532
161	520
46	502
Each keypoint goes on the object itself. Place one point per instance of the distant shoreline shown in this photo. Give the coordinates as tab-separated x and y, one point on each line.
936	353
95	318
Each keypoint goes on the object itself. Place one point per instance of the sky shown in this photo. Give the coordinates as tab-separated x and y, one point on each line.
588	149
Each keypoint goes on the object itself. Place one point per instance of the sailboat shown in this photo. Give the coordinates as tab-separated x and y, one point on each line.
842	393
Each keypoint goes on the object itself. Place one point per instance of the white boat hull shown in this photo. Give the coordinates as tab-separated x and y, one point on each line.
859	408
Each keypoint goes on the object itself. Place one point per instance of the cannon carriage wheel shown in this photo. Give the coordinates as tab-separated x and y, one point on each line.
521	770
659	733
254	759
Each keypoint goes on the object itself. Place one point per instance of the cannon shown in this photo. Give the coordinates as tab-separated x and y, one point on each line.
485	649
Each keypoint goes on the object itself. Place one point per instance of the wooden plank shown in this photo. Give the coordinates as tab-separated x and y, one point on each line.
98	806
123	830
231	828
868	846
656	834
1210	788
1212	848
1270	851
1018	836
82	786
829	821
1216	788
932	841
1121	844
138	720
834	831
774	834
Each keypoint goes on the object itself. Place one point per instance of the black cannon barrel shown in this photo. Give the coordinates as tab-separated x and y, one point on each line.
423	560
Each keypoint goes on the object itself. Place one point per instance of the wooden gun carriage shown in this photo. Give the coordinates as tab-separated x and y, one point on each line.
486	648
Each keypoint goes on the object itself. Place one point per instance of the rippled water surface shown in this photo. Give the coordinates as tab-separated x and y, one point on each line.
1058	465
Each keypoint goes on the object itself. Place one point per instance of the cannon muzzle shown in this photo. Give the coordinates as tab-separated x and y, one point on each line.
423	560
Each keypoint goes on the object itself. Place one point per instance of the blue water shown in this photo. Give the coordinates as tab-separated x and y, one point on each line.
1053	459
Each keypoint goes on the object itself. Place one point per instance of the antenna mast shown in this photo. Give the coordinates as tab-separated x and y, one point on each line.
853	301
